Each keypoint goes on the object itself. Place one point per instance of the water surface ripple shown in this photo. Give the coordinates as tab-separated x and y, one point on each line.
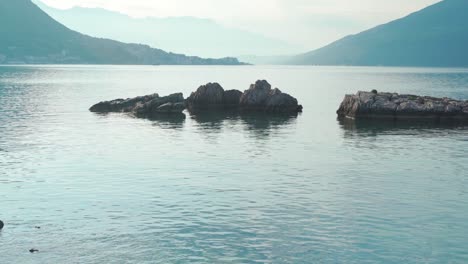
227	188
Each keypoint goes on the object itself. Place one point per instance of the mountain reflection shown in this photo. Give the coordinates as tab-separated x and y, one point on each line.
372	127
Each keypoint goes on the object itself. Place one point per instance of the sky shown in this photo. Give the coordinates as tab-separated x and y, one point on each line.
308	24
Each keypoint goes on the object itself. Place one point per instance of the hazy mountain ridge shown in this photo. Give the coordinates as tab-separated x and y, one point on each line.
31	36
434	36
181	34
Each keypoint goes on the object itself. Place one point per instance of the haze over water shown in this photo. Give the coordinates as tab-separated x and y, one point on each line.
220	188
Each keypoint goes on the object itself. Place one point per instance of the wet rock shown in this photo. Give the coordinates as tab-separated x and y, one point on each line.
173	103
231	98
143	106
396	106
1	225
208	96
171	108
281	102
256	95
122	105
260	97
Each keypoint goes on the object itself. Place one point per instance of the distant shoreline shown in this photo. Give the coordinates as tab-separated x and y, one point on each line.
244	65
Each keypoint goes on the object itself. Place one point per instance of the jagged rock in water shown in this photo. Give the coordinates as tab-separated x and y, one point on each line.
122	105
231	98
256	95
212	96
170	108
173	103
260	97
143	106
396	106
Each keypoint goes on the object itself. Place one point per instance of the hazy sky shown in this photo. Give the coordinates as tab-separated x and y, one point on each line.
306	23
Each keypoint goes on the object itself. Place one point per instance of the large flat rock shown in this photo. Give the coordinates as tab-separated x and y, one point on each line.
401	106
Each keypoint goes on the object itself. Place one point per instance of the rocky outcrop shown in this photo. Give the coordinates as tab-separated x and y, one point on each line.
396	106
170	104
256	95
231	98
143	106
213	96
122	105
208	96
259	97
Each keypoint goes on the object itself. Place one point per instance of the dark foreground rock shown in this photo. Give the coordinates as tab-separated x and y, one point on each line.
148	106
213	96
396	106
1	225
260	97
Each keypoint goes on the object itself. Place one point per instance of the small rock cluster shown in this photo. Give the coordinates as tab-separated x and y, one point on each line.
260	97
398	106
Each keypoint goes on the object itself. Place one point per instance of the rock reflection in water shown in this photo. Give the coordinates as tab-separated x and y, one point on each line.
372	127
165	121
169	121
260	124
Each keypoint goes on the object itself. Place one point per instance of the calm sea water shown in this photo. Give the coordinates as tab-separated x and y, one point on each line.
227	189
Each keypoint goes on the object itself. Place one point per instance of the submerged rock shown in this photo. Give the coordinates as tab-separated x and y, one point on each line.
143	106
396	106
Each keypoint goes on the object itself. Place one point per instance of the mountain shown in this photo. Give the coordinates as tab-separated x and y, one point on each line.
29	35
435	36
188	35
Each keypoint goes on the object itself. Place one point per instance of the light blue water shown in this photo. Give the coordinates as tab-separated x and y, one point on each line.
220	189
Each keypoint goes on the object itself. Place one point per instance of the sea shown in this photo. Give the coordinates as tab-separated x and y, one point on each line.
225	188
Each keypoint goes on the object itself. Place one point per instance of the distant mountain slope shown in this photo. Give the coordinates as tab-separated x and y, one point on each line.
434	36
181	34
28	35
